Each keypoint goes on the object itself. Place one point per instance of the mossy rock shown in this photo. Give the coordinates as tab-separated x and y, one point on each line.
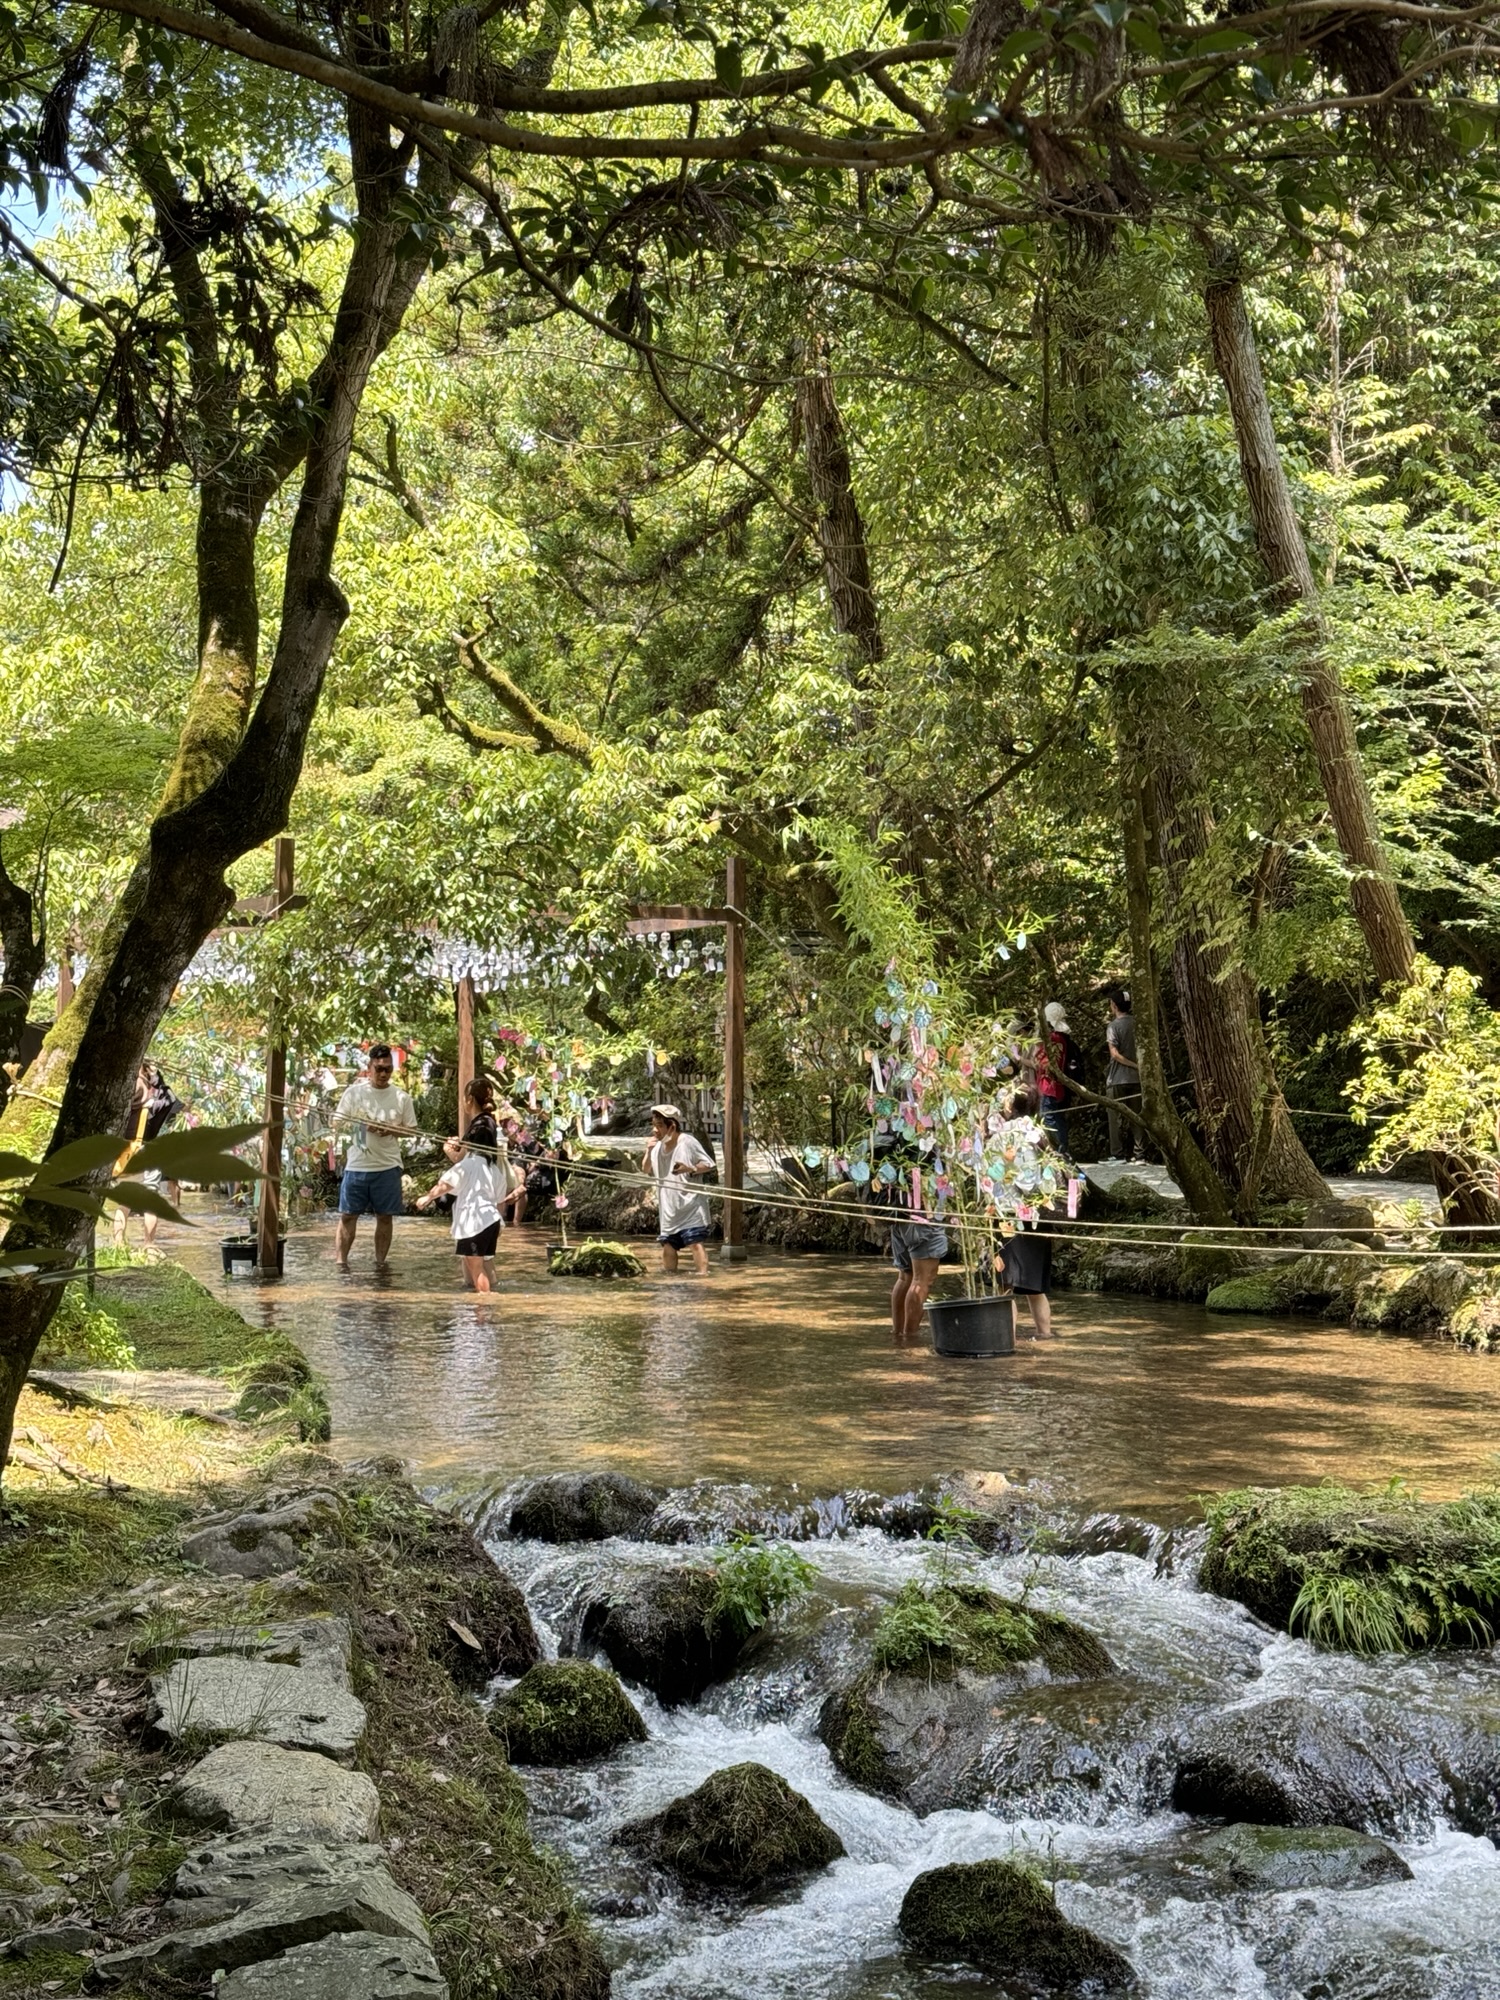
564	1712
1001	1918
1205	1260
742	1828
581	1507
1476	1323
1413	1298
982	1633
1364	1572
1253	1294
662	1627
850	1729
1272	1859
1322	1281
593	1259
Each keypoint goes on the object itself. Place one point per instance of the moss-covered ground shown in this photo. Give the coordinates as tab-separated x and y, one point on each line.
158	1311
1366	1572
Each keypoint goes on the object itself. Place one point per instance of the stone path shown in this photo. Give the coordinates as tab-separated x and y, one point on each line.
287	1896
1372	1188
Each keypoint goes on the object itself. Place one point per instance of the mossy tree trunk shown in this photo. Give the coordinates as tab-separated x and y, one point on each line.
23	942
239	755
1247	1130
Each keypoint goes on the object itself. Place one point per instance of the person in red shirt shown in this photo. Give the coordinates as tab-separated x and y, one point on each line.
1059	1062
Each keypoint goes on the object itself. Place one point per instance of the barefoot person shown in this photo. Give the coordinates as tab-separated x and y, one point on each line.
1027	1265
377	1116
475	1182
677	1160
918	1247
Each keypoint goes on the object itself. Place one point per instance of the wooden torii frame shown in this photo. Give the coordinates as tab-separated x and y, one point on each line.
648	917
250	912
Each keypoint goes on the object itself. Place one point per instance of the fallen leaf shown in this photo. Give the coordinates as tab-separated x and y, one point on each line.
463	1633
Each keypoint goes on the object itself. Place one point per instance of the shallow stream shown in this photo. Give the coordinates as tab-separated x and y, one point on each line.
784	1372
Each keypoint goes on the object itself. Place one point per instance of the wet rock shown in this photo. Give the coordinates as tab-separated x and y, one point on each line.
1476	1322
917	1721
355	1966
1322	1281
251	1699
223	1876
245	1547
245	1787
564	1712
1413	1298
742	1828
582	1507
1401	1572
1301	1762
367	1902
660	1627
713	1510
1205	1259
1273	1858
1002	1919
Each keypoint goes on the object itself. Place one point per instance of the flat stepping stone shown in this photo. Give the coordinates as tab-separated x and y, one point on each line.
252	1787
292	1706
321	1644
1274	1858
357	1966
367	1902
226	1875
248	1547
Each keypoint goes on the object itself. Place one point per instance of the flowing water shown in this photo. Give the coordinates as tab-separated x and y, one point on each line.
783	1373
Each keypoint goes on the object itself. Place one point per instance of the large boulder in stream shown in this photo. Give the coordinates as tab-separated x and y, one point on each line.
917	1722
581	1507
1002	1919
1304	1761
663	1627
742	1828
1365	1572
1270	1859
564	1712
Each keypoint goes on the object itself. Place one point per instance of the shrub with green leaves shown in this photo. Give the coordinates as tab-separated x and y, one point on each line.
756	1582
85	1334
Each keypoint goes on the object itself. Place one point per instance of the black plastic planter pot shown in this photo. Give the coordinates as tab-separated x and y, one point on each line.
972	1329
244	1250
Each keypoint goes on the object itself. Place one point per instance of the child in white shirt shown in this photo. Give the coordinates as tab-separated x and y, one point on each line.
472	1181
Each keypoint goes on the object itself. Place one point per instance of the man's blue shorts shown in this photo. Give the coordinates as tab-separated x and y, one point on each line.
917	1239
681	1239
371	1193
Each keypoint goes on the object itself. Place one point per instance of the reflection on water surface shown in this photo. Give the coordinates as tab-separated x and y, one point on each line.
784	1368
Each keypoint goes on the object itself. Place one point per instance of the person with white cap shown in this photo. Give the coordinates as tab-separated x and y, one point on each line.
1061	1063
676	1159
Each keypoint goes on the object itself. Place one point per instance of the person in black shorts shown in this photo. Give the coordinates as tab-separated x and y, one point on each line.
1027	1259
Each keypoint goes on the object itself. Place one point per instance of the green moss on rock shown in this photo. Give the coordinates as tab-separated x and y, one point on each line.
936	1632
563	1712
741	1828
1253	1294
593	1259
1001	1918
1362	1572
1476	1323
848	1729
1413	1298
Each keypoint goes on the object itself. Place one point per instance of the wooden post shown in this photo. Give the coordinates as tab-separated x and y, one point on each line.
734	1066
269	1229
466	1065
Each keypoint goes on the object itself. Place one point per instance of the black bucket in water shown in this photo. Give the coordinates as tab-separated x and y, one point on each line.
973	1329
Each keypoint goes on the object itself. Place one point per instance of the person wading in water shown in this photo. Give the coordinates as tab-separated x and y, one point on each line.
377	1117
676	1158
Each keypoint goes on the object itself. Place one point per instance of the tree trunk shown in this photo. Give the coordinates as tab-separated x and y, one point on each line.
179	891
1278	534
1190	1168
841	527
23	942
1247	1130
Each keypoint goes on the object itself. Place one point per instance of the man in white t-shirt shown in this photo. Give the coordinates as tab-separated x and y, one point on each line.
677	1160
374	1115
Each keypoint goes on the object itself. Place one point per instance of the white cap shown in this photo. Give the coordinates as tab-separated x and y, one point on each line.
1056	1016
668	1111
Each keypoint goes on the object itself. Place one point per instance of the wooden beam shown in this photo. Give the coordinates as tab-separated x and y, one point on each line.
464	1001
734	1065
269	1230
649	917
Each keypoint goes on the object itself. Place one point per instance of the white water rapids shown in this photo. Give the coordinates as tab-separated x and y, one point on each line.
1105	1841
